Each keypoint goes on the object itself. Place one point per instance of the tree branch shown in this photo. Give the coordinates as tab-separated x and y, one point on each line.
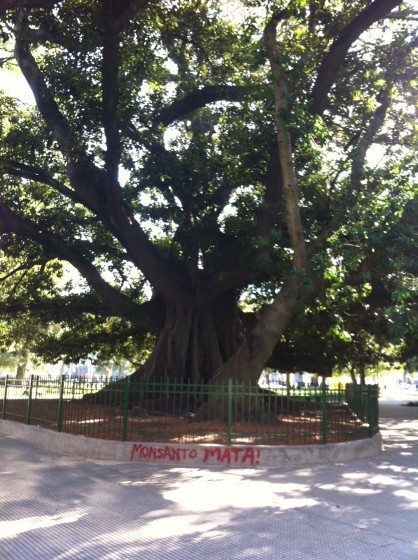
146	314
35	173
241	275
209	94
85	178
357	169
25	266
365	141
331	63
125	10
284	144
90	184
116	16
110	89
45	102
54	245
273	193
168	158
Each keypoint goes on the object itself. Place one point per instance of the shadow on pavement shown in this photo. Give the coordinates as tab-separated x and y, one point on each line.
65	508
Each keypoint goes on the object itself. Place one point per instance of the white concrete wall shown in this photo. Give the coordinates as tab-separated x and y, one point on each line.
199	455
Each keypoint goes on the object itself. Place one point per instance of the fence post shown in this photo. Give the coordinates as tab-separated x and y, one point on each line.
229	432
60	403
4	396
125	407
28	410
324	414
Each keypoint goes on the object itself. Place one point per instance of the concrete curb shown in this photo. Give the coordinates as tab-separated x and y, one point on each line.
197	455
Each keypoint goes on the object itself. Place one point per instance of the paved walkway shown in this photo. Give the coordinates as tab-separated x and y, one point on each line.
64	508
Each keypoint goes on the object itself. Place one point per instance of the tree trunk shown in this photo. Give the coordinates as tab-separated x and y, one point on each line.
208	345
195	341
362	371
249	360
22	364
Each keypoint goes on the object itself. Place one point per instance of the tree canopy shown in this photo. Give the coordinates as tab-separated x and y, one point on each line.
208	186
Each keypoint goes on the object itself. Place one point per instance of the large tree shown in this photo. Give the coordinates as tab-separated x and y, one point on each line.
183	155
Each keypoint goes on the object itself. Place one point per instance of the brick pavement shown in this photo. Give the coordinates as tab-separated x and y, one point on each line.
57	507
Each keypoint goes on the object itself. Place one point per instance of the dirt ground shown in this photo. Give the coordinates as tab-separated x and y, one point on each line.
106	422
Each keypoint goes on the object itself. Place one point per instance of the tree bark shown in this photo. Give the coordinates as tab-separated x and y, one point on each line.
284	145
329	70
248	362
362	371
23	364
254	351
195	341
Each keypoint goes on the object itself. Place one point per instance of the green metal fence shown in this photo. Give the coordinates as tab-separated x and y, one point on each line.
363	401
172	411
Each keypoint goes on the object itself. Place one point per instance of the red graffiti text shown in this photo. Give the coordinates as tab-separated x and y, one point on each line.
163	453
229	455
209	455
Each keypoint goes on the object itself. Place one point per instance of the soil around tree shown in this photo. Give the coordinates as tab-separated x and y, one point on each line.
106	422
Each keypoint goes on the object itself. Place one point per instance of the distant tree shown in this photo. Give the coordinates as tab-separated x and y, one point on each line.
17	342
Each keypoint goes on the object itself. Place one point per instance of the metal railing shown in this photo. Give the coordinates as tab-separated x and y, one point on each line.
174	411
